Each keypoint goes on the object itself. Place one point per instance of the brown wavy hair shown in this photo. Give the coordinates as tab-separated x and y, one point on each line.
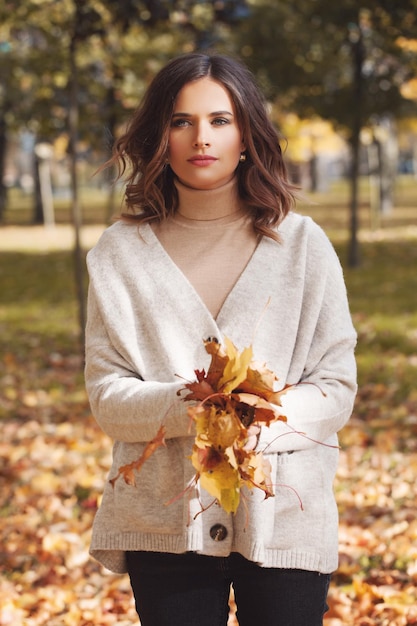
140	154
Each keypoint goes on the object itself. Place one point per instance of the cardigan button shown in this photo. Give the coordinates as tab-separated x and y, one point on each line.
218	532
212	339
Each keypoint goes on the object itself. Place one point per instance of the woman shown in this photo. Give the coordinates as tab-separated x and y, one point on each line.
210	247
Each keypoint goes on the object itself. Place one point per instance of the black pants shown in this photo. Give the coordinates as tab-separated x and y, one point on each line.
193	590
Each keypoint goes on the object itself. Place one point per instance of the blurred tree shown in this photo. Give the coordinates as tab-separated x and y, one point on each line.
85	23
26	76
120	45
344	61
6	103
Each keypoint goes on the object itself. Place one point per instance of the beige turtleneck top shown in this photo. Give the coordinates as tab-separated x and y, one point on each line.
211	239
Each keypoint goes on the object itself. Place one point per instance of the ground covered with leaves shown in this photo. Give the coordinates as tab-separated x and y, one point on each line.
54	458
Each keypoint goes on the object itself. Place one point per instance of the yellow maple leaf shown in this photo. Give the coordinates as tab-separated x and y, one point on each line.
223	483
236	368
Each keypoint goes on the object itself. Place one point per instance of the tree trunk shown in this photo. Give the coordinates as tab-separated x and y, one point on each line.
374	168
354	252
75	204
3	146
358	58
112	121
37	217
388	163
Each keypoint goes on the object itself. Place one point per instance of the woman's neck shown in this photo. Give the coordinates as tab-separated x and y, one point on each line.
208	204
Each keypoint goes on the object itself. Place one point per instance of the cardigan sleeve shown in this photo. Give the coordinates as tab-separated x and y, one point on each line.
126	407
320	403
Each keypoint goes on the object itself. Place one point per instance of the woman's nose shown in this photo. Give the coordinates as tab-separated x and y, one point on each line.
201	142
201	139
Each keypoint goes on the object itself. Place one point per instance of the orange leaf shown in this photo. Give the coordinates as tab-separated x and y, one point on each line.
199	389
259	381
219	361
127	471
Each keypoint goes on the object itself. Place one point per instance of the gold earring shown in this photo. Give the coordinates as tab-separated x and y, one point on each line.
242	158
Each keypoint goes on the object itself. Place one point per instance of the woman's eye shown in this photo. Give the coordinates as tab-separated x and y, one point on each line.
179	123
220	121
183	122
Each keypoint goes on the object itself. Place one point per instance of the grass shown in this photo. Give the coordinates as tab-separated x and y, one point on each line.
94	203
37	303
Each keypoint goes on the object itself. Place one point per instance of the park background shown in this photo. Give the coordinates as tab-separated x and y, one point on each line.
341	82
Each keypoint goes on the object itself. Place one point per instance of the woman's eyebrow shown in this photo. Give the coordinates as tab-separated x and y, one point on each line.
183	114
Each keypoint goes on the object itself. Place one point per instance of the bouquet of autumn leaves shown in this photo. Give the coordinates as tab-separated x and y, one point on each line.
234	394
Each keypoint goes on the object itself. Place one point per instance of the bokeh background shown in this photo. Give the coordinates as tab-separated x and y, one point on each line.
341	83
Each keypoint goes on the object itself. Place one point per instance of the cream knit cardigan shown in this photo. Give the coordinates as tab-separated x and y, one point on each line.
144	337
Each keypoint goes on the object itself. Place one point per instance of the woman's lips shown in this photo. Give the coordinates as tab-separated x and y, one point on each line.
202	160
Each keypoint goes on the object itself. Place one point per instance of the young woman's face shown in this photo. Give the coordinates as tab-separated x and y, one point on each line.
205	141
